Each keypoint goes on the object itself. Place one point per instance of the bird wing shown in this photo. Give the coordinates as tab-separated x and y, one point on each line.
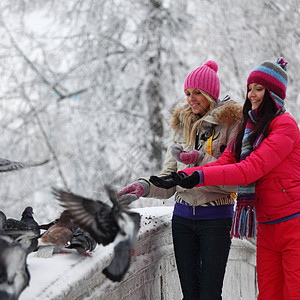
2	220
120	201
112	194
28	238
8	165
57	235
15	224
82	209
14	233
93	216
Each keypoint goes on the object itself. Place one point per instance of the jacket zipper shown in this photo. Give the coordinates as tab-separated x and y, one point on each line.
197	139
196	147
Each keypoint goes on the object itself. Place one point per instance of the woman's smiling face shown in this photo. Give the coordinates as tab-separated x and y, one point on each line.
256	94
196	100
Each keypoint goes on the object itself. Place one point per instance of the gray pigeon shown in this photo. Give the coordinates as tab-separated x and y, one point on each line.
25	231
106	224
26	222
8	165
28	238
14	274
82	242
27	217
2	221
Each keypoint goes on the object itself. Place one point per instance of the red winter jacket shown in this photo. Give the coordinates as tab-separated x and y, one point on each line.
274	167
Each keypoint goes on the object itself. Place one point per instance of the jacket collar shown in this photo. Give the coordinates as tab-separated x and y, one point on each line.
224	114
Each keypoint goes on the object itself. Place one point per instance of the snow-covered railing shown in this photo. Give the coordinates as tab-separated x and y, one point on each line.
152	274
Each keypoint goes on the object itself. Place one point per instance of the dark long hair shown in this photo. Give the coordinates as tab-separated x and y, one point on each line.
267	112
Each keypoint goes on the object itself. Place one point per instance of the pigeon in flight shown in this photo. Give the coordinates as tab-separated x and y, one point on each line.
8	165
106	224
56	237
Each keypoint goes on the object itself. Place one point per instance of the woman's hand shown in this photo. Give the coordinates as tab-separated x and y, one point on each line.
190	157
167	181
138	188
180	179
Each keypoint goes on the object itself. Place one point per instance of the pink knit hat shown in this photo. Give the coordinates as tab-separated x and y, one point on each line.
205	78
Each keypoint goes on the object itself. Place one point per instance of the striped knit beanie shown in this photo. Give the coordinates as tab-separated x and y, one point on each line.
272	76
205	78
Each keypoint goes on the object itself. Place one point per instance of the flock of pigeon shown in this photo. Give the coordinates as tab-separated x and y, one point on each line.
82	225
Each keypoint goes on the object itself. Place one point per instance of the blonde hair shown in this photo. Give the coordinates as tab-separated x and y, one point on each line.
192	121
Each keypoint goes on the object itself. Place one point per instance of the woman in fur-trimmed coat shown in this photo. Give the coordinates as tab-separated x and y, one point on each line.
202	129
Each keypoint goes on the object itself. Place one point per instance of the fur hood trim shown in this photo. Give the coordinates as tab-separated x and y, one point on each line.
224	114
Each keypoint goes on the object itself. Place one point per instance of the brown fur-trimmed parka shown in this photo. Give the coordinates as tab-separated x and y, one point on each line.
214	133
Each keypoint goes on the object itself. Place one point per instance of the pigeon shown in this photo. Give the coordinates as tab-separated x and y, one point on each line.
25	231
8	165
28	238
56	237
26	222
14	273
2	221
106	224
27	217
82	242
15	224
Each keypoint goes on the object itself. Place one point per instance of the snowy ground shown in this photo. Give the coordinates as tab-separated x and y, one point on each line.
51	277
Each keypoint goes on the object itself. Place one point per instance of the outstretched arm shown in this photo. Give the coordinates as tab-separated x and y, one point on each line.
191	177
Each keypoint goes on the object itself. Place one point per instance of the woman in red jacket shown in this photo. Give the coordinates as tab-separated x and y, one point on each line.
264	161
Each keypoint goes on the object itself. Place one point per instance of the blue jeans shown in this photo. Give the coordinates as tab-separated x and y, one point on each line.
201	251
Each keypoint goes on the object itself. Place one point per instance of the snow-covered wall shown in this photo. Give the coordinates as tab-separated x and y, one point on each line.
152	274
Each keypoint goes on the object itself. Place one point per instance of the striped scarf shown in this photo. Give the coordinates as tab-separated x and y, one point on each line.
244	219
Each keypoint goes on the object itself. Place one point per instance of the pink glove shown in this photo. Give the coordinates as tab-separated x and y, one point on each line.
190	157
139	188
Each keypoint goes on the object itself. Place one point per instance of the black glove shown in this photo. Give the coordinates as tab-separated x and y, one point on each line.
187	182
191	181
167	181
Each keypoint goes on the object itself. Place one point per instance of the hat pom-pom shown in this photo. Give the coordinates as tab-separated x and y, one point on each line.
280	61
212	64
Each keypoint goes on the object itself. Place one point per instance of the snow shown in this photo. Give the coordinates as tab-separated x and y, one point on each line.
51	276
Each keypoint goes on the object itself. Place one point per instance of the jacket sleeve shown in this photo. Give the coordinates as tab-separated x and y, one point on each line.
270	153
170	165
